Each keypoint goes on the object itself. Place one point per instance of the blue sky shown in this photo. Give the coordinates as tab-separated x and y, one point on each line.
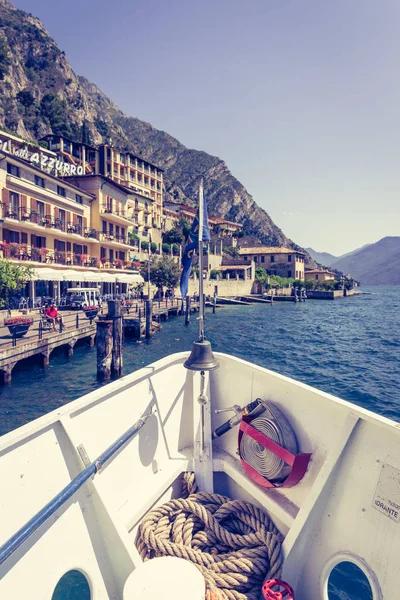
301	99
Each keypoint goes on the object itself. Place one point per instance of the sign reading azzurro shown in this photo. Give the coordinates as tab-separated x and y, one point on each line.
44	162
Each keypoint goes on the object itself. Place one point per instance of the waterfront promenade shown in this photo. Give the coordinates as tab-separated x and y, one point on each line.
41	341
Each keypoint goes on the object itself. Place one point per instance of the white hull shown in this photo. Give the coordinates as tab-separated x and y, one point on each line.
331	515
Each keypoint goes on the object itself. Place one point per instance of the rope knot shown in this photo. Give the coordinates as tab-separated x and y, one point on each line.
234	544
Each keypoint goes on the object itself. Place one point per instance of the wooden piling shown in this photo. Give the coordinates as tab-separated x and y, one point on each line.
214	303
149	318
187	312
104	345
114	313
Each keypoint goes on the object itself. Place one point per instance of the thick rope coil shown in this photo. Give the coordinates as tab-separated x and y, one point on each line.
233	543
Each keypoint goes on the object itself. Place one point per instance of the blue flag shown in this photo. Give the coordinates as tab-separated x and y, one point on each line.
200	230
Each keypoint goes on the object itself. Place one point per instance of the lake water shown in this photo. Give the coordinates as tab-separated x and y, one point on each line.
349	347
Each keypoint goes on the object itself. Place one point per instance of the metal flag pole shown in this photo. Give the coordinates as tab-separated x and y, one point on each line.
200	249
148	270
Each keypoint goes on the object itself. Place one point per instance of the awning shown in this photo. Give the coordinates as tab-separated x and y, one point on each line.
92	276
130	278
72	275
108	277
47	274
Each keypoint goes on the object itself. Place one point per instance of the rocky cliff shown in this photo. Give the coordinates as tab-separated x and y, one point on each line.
40	94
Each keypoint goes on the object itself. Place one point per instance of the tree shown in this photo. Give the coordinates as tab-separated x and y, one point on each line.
5	60
144	245
233	252
185	227
25	98
12	279
215	274
163	272
153	247
55	110
261	275
173	236
166	248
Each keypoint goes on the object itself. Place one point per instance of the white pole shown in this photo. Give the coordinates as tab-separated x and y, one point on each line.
201	293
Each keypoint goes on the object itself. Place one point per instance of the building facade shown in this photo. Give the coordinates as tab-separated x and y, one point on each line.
319	275
53	221
143	179
283	262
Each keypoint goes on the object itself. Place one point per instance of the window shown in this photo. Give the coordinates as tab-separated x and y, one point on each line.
316	277
40	208
102	252
263	259
14	204
290	258
60	190
111	254
111	229
255	258
80	222
39	181
289	273
245	258
104	226
12	170
61	215
78	199
14	237
272	258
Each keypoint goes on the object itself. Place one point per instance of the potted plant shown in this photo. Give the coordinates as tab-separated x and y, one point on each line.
18	326
91	311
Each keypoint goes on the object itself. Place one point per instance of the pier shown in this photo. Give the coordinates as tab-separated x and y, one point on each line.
41	341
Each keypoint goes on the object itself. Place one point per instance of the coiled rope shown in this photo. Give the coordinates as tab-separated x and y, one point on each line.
233	543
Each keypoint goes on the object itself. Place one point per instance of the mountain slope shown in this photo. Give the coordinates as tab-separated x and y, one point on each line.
40	94
323	258
377	263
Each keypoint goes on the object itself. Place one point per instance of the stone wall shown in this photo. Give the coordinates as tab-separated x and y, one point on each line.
231	287
324	295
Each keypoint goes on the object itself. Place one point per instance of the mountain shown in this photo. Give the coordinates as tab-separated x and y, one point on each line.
377	263
323	258
40	94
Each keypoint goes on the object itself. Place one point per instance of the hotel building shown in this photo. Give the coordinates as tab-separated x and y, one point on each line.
142	179
55	223
283	262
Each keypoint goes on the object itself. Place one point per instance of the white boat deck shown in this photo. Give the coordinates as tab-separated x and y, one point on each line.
337	512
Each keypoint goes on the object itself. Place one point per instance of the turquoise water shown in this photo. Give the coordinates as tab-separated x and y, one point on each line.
349	348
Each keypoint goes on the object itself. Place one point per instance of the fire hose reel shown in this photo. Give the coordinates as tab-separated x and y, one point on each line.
268	448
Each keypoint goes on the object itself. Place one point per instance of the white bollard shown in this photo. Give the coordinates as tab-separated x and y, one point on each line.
166	578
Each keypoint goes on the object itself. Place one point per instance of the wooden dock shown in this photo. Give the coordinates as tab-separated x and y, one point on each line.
76	326
42	342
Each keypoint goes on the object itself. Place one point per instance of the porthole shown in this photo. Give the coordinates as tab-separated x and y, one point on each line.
346	576
348	582
73	585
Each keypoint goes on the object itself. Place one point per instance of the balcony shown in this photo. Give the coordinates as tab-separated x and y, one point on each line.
25	252
32	217
117	215
114	238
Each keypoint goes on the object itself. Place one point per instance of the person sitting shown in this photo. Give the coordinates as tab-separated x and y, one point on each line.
53	316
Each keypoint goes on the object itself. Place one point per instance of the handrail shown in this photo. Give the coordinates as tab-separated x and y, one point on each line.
7	549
